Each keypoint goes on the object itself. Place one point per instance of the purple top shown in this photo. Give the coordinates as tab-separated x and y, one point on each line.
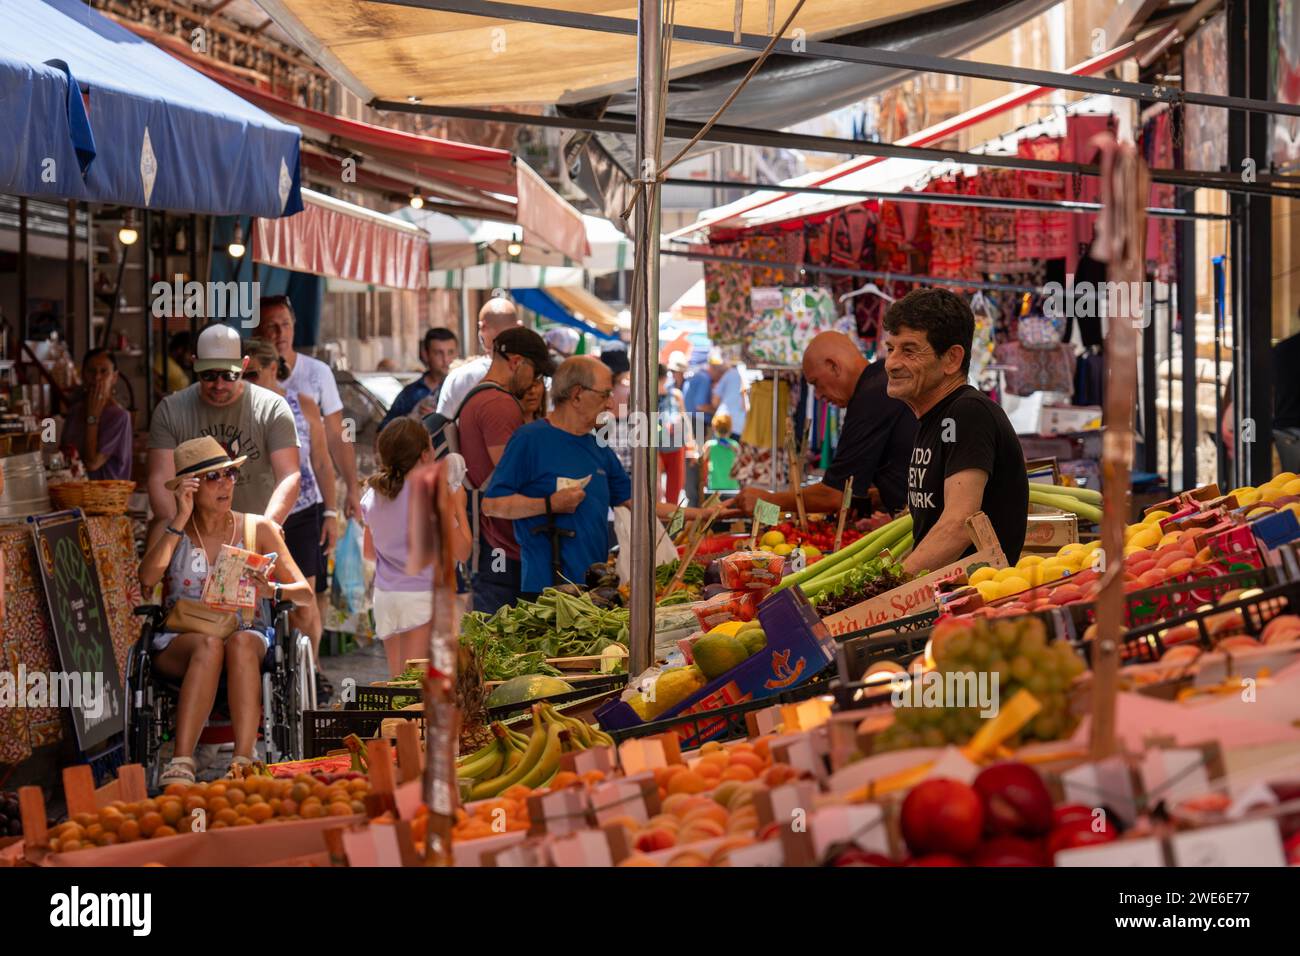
387	521
114	440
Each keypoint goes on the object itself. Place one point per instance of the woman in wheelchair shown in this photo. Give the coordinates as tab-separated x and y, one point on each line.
180	555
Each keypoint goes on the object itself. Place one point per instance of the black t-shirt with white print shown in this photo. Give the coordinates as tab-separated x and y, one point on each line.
967	430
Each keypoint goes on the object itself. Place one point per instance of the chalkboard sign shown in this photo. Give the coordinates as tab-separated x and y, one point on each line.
90	684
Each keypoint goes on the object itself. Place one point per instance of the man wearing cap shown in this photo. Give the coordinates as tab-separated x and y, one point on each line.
488	418
497	315
316	379
248	421
438	350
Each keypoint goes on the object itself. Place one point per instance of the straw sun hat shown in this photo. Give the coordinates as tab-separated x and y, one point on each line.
199	455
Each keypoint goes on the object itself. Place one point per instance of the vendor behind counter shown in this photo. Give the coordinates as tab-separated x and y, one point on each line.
966	457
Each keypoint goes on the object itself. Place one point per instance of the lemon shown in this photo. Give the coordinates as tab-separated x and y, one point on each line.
1073	548
989	590
1157	516
1031	573
1285	476
1003	574
809	552
765	547
1292	487
1237	492
773	538
982	575
1171	538
1047	575
1092	545
1013	585
1132	549
728	628
1029	560
782	549
1249	497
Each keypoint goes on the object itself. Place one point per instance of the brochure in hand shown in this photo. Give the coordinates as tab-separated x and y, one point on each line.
229	586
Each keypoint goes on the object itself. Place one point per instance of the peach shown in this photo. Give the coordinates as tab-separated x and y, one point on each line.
713	811
687	782
664	821
719	855
780	773
676	804
747	759
648	841
1066	593
700	830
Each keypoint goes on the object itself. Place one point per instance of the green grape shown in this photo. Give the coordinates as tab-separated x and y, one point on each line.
1032	640
1037	685
951	725
980	653
1022	668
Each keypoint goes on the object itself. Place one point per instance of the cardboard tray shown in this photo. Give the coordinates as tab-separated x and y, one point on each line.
798	648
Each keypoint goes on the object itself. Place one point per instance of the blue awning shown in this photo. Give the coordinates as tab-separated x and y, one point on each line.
96	113
538	301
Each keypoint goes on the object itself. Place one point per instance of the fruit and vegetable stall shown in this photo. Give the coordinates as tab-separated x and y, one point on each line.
947	723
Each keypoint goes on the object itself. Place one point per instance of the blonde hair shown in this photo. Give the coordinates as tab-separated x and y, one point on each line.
722	423
399	447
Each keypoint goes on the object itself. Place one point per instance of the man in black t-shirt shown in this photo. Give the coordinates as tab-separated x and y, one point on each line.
966	457
876	440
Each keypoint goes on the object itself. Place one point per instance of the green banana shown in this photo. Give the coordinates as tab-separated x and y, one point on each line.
588	735
488	765
549	764
531	756
477	755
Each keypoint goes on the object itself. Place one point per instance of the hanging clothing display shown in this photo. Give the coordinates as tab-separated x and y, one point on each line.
1158	151
780	332
1039	234
726	292
1080	130
1037	370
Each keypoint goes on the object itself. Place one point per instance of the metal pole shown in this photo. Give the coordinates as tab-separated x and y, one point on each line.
21	324
464	318
644	349
1257	264
146	315
776	426
70	293
1187	316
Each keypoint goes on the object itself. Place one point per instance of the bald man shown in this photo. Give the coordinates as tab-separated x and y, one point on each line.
875	438
497	315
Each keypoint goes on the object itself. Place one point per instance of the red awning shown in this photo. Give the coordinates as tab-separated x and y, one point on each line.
337	239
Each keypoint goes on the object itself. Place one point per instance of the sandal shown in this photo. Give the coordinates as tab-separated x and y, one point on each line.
178	770
236	768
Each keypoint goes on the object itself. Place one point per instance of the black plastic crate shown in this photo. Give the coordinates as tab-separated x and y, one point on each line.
324	730
1145	644
723	723
378	697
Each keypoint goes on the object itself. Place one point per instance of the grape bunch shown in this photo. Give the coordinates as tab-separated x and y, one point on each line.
11	822
1017	650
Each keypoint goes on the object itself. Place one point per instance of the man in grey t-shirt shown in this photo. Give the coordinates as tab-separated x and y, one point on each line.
244	418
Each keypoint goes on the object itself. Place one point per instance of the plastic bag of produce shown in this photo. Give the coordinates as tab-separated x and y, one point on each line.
349	573
728	606
751	570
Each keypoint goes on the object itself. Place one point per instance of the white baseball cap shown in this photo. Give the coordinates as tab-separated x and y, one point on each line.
677	362
218	349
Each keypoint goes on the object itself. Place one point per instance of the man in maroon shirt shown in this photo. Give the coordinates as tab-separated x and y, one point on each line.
487	419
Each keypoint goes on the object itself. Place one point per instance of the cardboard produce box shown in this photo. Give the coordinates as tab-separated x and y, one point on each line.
918	594
1050	532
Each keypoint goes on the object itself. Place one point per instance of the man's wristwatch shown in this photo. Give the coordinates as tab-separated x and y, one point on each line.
279	593
92	420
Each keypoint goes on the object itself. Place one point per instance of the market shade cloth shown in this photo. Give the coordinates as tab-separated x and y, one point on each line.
691	304
27	637
454	246
337	239
164	136
585	306
505	275
483	178
381	51
545	303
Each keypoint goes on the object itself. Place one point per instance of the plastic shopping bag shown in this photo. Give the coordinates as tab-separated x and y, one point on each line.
349	572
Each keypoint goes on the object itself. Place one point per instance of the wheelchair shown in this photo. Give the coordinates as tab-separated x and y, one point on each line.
288	688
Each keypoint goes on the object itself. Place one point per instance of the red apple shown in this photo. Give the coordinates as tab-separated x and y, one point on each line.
937	859
856	857
1077	834
1068	813
1009	851
1015	800
942	816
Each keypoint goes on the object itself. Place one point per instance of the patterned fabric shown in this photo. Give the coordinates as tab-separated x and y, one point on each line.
726	293
1158	150
780	336
1080	130
27	638
1042	235
1037	370
773	249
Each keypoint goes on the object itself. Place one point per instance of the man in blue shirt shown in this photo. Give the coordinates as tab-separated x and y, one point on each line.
555	469
438	350
728	392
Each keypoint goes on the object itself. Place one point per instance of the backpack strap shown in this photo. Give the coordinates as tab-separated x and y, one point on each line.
480	387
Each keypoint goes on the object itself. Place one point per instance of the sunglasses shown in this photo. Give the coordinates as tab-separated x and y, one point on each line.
230	472
213	375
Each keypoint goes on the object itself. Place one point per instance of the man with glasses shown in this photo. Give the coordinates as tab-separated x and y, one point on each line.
875	438
249	422
488	418
315	379
967	457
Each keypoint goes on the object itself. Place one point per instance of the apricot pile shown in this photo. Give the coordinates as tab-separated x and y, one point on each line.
183	808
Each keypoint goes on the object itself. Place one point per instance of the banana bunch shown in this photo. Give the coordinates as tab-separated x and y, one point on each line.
530	760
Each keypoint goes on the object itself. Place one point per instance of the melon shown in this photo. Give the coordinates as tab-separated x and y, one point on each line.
527	687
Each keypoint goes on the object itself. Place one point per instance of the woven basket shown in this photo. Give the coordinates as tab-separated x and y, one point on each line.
93	497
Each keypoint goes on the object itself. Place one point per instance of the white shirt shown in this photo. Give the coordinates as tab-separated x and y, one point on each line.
731	399
315	379
458	383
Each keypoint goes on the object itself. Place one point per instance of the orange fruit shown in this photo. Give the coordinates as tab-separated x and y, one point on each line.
709	771
260	812
339	809
235	795
763	748
150	822
687	782
217	789
717	814
175	790
748	759
564	778
739	772
129	831
171	811
227	816
164	831
310	810
245	822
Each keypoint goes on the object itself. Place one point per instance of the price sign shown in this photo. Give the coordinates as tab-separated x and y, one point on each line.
765	512
676	522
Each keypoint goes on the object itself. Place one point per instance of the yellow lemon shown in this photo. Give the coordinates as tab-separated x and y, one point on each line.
1092	545
1030	573
1285	476
1242	490
1003	574
809	552
1249	497
989	590
782	549
1292	487
1013	585
1148	537
728	628
1170	538
1067	549
1053	574
1132	549
1029	560
1156	516
982	575
773	538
